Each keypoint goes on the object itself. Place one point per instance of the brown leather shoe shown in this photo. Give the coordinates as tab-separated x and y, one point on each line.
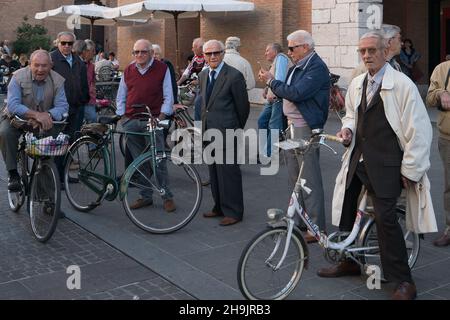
228	221
212	214
140	203
342	269
443	240
405	291
169	205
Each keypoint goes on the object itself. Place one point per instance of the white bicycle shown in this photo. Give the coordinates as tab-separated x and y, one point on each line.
272	263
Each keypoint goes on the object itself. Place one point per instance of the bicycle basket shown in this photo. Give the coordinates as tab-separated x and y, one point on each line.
47	146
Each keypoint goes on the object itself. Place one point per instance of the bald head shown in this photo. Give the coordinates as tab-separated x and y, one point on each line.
40	64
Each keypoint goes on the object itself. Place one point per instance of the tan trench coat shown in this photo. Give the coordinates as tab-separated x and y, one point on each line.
406	114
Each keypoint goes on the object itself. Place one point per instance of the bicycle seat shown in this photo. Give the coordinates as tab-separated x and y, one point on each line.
107	119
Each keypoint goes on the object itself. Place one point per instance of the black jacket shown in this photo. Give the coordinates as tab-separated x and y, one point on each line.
76	85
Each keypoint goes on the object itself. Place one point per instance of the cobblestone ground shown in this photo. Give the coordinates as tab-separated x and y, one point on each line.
32	270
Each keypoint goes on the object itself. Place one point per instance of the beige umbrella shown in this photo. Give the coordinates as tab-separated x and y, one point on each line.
89	14
161	9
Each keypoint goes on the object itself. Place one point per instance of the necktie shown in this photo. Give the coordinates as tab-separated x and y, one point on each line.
370	91
210	85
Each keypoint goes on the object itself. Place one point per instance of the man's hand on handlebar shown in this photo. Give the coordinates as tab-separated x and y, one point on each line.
44	119
346	134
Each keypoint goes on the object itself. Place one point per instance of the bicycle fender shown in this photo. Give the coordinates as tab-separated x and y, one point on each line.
298	233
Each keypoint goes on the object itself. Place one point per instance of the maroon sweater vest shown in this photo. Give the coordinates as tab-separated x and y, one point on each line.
145	88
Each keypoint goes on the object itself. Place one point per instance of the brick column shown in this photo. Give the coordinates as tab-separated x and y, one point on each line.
337	26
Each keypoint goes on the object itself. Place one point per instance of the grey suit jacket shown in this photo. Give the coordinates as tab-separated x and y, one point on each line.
228	106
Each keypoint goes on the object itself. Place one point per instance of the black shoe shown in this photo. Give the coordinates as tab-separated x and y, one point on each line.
14	184
62	215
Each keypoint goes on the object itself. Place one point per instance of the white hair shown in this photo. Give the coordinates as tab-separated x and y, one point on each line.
303	37
232	43
147	43
156	47
389	31
89	44
375	34
65	33
211	42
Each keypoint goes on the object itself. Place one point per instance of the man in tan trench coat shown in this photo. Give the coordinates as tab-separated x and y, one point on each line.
389	136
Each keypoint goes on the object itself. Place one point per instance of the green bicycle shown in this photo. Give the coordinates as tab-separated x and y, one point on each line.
154	173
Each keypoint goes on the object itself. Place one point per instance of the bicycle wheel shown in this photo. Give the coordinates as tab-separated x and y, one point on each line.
17	199
173	180
412	241
44	199
85	158
257	277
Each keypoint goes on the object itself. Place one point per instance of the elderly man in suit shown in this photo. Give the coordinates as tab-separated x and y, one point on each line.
224	106
389	136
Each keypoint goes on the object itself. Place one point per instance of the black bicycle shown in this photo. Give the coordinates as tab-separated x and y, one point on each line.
40	183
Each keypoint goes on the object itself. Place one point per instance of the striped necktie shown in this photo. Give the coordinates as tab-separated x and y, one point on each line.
371	89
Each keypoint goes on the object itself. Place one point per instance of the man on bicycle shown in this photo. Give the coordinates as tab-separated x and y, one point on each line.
145	81
35	93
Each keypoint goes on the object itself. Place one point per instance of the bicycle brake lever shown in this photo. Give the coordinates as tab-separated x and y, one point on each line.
322	142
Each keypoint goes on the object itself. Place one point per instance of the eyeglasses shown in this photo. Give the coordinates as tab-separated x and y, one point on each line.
66	43
215	53
292	48
371	51
143	52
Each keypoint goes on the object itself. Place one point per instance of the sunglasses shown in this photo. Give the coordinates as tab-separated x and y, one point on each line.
215	53
66	43
292	48
143	52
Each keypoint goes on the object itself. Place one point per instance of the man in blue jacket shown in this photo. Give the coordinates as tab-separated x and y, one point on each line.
305	96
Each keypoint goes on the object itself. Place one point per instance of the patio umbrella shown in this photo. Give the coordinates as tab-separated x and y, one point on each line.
88	14
161	9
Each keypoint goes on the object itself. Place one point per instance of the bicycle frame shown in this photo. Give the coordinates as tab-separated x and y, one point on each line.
296	208
115	188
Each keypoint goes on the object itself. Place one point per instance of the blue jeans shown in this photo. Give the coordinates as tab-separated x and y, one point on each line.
90	114
271	118
136	145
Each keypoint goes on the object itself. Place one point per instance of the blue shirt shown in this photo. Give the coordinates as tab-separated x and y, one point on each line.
217	70
281	67
166	108
16	107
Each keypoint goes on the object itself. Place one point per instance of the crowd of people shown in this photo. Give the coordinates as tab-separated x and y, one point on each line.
386	129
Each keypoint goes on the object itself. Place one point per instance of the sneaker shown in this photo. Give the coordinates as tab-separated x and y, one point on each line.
14	183
141	203
169	205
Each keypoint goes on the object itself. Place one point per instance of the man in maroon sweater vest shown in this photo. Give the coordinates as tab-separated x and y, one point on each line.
146	81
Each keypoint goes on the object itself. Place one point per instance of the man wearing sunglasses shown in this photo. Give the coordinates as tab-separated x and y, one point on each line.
74	71
146	81
305	95
225	106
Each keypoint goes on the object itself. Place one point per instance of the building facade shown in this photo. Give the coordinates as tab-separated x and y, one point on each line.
336	26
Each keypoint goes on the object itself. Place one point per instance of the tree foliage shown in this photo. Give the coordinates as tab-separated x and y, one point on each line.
30	38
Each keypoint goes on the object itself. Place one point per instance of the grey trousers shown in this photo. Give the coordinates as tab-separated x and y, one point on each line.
136	145
314	202
444	151
9	142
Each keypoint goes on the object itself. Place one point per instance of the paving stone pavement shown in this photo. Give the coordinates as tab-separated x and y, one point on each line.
32	270
198	261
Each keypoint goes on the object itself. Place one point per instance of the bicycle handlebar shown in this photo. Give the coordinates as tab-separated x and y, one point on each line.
332	138
23	121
